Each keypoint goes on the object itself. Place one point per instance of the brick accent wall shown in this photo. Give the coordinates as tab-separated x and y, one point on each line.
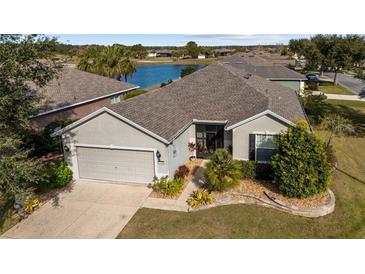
38	123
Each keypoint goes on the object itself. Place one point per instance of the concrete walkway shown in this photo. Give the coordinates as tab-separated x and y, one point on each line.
340	97
180	203
90	210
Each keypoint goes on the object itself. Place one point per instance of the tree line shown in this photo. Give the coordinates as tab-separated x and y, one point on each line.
331	52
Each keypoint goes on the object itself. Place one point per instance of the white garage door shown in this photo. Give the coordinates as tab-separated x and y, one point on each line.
135	166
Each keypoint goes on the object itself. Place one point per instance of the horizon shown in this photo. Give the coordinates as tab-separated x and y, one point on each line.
178	40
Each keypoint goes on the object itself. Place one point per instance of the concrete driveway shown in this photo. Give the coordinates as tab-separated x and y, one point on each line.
89	210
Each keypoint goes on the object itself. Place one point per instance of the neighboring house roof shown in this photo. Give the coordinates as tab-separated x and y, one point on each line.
218	92
73	86
262	67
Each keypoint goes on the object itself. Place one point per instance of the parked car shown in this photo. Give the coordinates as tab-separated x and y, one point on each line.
312	76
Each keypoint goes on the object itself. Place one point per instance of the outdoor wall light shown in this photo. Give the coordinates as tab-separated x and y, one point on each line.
158	155
66	148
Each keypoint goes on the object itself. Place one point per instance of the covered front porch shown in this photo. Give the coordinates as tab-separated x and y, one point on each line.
210	137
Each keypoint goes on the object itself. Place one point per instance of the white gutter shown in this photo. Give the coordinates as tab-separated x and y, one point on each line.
84	102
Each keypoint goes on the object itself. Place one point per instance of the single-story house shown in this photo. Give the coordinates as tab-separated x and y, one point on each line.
273	72
219	106
163	53
74	94
151	53
201	56
222	52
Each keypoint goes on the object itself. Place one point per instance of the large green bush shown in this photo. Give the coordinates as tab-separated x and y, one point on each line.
222	172
57	175
300	167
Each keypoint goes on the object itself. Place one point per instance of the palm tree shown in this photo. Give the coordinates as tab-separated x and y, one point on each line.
129	67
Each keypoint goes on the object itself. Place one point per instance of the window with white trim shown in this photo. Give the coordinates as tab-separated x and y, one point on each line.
265	147
114	99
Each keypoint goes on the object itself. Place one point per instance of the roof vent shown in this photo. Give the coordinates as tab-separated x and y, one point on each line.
247	76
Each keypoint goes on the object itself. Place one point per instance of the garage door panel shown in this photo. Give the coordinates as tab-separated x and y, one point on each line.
115	164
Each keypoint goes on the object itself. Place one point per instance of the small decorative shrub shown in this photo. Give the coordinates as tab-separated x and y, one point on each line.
182	172
254	170
63	175
222	171
248	169
300	167
200	197
166	186
31	205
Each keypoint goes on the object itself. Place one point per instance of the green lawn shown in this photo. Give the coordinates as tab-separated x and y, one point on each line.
247	221
334	89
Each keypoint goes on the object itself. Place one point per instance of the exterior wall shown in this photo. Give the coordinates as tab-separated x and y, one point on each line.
179	152
106	130
38	123
240	134
294	85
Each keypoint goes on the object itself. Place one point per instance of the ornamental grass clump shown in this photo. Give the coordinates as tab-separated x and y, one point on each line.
300	167
222	172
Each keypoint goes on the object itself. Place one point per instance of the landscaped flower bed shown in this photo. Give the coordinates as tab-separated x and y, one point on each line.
192	166
262	189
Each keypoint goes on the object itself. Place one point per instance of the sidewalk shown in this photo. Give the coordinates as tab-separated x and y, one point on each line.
340	97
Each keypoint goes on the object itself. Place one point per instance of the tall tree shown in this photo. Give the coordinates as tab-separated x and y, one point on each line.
138	51
192	49
24	64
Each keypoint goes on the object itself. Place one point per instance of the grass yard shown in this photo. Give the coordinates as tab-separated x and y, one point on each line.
334	89
247	221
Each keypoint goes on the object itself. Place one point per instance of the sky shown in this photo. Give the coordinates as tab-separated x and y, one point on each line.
178	39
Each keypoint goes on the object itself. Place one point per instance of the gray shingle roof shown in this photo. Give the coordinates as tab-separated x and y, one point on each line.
218	92
262	67
72	86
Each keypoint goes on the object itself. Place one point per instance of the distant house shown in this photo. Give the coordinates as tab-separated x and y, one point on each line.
163	53
151	53
222	52
74	94
201	56
262	67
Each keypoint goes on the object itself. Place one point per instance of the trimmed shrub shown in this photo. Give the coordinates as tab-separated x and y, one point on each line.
200	197
182	172
254	170
133	93
222	172
58	175
63	175
166	186
248	169
300	167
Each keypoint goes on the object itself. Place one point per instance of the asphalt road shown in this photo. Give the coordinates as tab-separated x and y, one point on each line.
348	81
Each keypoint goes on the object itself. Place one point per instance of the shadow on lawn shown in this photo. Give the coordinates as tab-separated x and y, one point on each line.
356	117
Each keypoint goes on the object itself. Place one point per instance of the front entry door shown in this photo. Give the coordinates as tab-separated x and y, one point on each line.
211	142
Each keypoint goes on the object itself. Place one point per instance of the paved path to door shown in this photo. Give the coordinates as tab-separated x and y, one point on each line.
89	210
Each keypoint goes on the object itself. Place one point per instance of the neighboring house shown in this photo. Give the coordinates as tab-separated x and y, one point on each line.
163	53
201	56
74	94
151	54
222	52
262	67
219	106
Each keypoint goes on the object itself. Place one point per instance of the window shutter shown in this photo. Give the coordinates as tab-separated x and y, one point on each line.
251	149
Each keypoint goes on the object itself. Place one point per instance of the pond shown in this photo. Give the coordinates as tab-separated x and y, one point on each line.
152	75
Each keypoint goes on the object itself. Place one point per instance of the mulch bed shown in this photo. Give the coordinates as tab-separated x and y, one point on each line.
193	165
258	188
